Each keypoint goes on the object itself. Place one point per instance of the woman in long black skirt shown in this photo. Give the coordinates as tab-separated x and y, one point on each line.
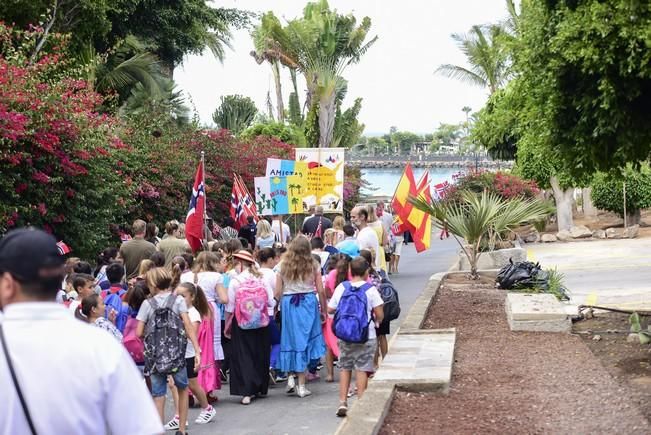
250	348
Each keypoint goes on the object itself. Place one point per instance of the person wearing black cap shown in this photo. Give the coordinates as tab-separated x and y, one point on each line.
39	338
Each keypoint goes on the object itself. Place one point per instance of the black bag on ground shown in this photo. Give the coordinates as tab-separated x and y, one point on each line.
520	274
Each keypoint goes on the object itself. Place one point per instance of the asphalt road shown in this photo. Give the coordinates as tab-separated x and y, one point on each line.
601	272
315	415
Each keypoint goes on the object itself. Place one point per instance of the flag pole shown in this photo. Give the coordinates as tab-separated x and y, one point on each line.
205	200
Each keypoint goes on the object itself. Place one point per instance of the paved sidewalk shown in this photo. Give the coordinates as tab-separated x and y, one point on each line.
600	272
315	415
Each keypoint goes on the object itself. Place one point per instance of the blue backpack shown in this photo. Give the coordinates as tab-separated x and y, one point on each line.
114	301
351	319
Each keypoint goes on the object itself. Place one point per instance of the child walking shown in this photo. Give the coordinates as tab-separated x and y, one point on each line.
355	303
198	309
164	322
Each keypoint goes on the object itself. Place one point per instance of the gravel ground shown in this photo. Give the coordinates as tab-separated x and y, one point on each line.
513	383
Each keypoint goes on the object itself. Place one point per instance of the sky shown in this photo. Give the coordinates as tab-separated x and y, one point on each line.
395	78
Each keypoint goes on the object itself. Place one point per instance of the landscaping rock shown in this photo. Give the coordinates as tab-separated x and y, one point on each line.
564	235
580	232
531	237
633	338
599	234
597	338
548	238
631	232
536	312
614	233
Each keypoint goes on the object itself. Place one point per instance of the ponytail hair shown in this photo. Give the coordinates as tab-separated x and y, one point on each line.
88	303
200	301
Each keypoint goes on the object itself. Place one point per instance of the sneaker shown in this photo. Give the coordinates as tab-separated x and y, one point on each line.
206	415
342	410
173	424
291	385
312	376
302	391
281	378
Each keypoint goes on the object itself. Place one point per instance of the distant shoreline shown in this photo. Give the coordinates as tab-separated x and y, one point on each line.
397	164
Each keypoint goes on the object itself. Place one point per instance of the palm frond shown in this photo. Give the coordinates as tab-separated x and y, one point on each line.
462	74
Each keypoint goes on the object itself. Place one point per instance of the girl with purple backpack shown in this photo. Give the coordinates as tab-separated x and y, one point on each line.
247	325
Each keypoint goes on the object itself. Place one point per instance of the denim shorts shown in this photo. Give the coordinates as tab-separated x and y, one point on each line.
159	382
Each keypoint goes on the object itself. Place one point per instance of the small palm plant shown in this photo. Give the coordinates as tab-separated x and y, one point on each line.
481	219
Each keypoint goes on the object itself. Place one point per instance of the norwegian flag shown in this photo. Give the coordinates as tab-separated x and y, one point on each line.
440	190
63	248
196	211
242	204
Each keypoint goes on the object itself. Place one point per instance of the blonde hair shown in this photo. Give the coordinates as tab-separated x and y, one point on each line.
206	261
372	217
145	266
158	278
338	223
298	264
251	267
330	236
263	229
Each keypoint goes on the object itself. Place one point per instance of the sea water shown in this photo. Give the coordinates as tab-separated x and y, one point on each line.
385	180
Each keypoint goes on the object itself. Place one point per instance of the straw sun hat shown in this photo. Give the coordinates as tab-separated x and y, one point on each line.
244	255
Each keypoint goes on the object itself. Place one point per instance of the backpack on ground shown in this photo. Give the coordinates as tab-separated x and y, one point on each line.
132	342
351	321
251	304
389	295
165	338
114	301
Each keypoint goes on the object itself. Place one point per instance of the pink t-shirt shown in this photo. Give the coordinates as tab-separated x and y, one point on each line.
331	280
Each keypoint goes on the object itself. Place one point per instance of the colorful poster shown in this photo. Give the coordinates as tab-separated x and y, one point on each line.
285	168
324	183
278	195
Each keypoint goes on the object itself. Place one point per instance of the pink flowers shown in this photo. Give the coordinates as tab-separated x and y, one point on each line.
40	177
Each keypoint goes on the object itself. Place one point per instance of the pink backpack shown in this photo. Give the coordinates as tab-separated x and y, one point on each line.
132	343
251	304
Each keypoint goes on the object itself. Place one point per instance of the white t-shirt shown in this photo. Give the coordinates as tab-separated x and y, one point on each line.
367	239
269	277
208	281
275	227
374	300
387	221
194	316
235	284
104	391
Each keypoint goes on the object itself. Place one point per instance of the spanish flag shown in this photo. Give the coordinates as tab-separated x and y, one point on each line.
409	218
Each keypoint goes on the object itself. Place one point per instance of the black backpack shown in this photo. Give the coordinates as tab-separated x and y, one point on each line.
389	295
165	338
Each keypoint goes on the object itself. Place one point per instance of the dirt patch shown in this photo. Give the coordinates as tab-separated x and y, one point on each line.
506	383
628	363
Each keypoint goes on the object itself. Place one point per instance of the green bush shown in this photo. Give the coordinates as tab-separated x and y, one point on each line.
608	191
285	133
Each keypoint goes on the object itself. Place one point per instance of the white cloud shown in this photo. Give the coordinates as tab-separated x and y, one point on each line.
395	78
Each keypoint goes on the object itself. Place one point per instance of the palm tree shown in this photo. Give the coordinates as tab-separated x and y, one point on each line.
295	202
264	51
320	45
121	68
481	219
486	55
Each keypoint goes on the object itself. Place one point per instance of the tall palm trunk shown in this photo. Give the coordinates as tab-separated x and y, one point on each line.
327	109
275	68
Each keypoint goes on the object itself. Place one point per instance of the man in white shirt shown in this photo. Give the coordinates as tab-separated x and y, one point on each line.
48	358
276	225
366	237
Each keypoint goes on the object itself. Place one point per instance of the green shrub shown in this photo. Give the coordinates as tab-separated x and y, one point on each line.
608	191
285	133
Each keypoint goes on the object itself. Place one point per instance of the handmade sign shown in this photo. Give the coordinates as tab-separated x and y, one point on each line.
277	195
324	182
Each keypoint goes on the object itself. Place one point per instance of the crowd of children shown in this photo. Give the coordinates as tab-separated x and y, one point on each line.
249	315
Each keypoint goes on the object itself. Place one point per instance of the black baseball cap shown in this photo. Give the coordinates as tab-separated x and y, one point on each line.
30	255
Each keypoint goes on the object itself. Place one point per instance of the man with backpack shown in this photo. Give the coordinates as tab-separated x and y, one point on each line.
103	390
355	304
114	296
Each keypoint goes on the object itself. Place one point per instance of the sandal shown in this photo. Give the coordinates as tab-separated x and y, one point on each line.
246	400
330	378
